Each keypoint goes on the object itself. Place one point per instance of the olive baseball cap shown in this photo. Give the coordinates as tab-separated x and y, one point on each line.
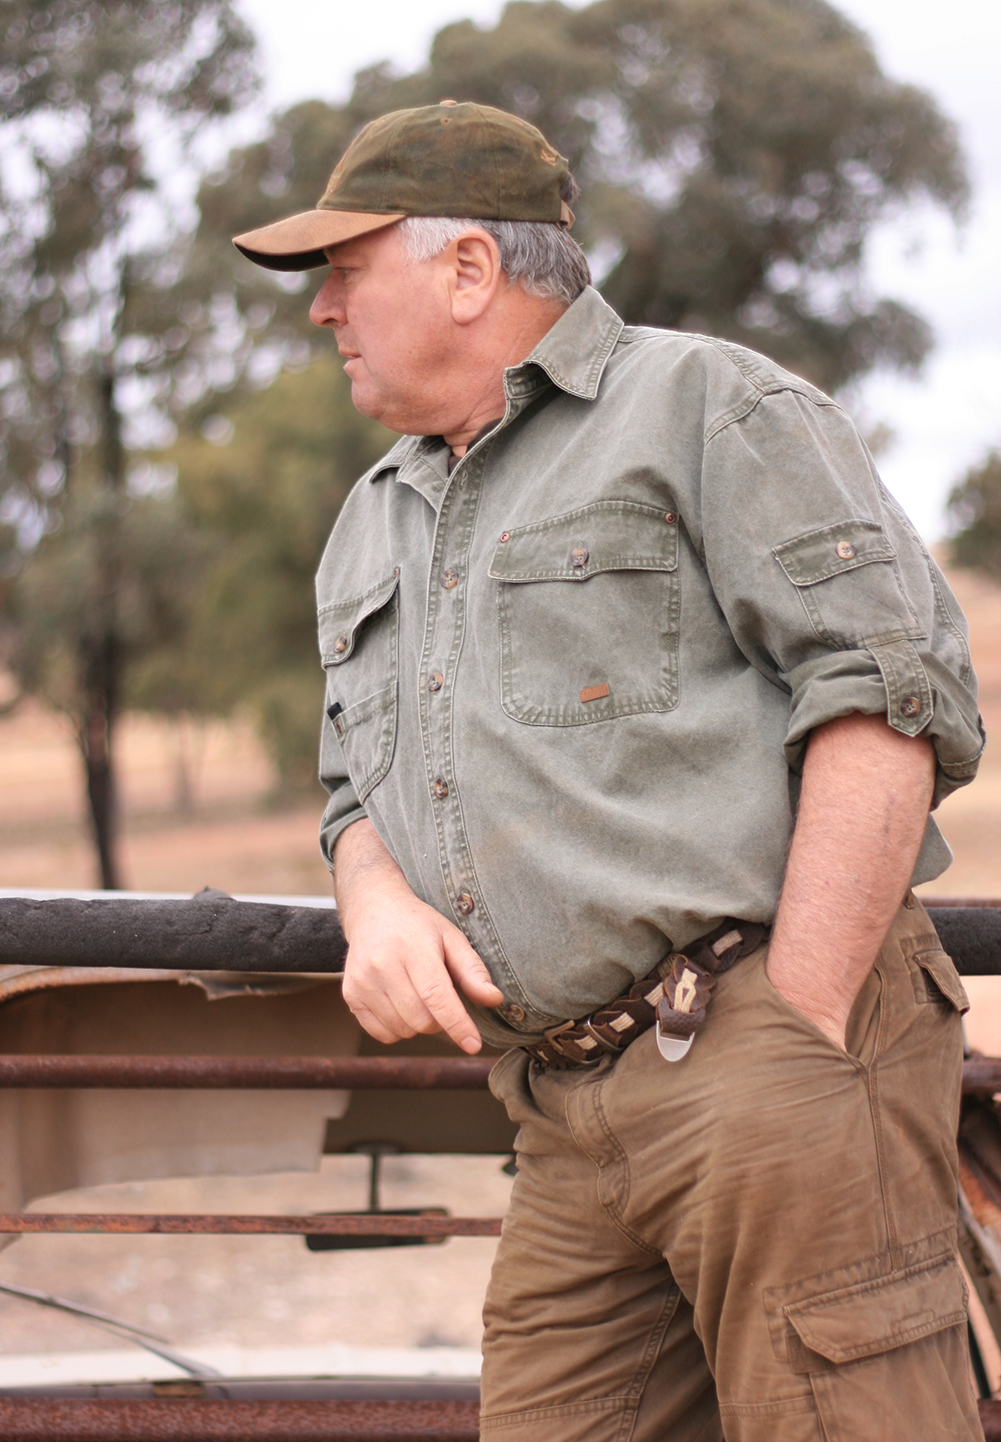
448	159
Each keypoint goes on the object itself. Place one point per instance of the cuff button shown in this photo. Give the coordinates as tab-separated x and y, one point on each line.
910	706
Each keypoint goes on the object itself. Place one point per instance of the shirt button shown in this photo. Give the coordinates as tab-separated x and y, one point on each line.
516	1012
845	551
578	558
464	902
449	580
671	517
440	789
505	535
435	681
340	645
910	706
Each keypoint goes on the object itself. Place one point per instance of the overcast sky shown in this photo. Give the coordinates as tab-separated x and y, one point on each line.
943	422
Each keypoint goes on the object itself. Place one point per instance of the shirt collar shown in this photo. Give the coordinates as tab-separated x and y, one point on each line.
575	351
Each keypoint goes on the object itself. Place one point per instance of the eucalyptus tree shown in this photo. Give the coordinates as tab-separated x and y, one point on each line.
103	107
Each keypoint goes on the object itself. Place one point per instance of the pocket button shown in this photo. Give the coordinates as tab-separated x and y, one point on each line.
340	645
579	558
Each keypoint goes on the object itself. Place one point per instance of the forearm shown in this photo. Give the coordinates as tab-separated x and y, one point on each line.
362	865
862	815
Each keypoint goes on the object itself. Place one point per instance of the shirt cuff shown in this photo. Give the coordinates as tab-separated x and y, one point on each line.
913	690
342	811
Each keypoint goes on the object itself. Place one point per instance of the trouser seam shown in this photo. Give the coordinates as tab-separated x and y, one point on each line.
889	1218
650	1354
613	1211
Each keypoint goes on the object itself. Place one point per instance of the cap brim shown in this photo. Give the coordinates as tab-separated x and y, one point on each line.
298	242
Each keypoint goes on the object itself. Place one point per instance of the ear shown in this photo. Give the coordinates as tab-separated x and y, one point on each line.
475	275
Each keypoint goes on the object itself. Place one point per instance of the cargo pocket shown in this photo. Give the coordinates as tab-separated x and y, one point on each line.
937	980
847	581
359	650
588	611
887	1358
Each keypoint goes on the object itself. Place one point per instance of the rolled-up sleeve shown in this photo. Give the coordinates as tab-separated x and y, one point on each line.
343	808
827	588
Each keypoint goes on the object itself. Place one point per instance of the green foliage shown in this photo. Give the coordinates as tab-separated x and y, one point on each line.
90	91
264	502
975	506
733	156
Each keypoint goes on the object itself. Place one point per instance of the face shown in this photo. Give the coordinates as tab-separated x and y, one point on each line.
392	322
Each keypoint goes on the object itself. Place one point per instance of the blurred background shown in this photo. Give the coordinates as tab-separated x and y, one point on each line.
820	182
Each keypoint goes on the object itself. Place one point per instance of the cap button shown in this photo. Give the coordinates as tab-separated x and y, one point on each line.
448	102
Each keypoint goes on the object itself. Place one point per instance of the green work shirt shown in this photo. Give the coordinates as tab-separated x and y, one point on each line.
572	681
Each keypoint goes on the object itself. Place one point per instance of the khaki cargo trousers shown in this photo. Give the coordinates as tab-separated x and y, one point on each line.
756	1243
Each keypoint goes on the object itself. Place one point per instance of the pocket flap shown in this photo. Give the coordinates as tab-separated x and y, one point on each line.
943	973
878	1316
818	555
340	623
605	536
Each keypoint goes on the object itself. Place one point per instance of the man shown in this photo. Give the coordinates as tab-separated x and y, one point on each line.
620	608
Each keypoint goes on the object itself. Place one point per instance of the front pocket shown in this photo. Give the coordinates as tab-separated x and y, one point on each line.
588	609
359	646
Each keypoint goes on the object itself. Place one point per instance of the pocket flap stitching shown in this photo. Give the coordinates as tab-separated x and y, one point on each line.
605	536
875	1317
831	550
340	622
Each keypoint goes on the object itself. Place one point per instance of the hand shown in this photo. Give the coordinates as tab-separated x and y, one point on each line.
404	959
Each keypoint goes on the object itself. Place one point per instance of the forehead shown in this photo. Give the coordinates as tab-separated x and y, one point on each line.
365	249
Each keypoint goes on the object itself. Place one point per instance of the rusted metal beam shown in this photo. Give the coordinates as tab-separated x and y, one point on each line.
197	1420
355	1073
981	1075
357	1224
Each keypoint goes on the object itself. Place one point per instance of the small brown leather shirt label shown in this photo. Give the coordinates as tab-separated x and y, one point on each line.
594	693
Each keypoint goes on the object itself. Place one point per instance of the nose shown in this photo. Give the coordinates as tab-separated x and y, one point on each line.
327	308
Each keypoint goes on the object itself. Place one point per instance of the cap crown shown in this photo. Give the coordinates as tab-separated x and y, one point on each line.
449	159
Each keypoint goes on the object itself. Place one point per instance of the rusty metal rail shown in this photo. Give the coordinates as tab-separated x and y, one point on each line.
354	1073
197	1420
981	1075
356	1224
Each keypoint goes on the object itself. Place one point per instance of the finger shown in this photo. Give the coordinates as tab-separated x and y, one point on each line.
468	971
435	989
379	1006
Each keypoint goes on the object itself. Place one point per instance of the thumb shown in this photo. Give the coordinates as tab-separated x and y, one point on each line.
469	972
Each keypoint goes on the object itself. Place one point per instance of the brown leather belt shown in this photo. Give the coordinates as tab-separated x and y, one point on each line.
675	994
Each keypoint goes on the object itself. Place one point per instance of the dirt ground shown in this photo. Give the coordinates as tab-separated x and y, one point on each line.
270	1291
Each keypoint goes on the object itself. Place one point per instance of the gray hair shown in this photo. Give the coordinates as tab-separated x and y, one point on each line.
542	256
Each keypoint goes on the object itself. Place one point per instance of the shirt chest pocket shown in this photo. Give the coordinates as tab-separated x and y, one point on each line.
588	610
359	645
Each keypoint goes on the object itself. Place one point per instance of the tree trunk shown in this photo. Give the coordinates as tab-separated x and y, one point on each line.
101	662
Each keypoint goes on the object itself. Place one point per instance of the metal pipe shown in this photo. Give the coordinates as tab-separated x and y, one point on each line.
198	1420
355	1224
981	1075
212	932
355	1073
